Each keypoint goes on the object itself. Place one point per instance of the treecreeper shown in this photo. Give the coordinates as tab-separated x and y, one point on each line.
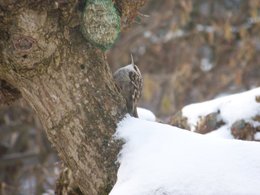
130	83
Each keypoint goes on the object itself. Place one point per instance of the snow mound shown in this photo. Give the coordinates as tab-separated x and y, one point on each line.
145	114
230	108
159	159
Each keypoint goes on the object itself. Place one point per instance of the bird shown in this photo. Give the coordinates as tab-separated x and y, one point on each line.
129	81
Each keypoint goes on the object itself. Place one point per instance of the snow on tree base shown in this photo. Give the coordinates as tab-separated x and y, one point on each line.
159	159
145	114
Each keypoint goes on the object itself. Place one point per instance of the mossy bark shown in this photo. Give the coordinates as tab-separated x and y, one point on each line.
68	83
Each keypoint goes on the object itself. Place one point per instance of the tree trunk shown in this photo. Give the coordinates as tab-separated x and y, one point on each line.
68	83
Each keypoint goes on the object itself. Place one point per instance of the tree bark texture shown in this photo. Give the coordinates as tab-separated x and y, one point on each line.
68	83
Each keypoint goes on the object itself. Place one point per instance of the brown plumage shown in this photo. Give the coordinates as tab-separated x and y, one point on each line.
130	83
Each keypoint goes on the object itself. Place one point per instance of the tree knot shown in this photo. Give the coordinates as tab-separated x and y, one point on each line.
23	43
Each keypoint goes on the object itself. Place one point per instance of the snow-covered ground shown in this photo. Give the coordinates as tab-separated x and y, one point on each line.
229	108
146	114
158	159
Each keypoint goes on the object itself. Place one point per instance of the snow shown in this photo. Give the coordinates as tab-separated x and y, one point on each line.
206	65
145	114
257	136
159	159
231	108
221	132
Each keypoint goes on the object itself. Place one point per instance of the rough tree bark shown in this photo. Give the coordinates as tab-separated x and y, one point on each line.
67	81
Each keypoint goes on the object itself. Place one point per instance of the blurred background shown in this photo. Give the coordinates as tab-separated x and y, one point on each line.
188	51
191	51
